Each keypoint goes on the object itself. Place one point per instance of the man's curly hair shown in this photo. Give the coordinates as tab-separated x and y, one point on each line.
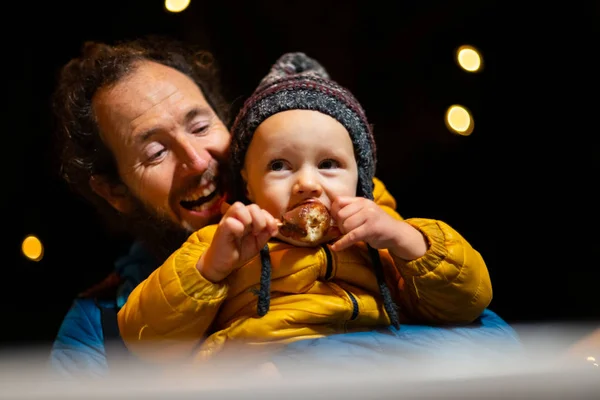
82	153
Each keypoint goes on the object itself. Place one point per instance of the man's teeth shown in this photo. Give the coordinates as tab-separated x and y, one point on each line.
200	192
205	180
207	205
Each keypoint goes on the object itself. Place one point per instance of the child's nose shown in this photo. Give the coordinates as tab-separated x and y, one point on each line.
308	184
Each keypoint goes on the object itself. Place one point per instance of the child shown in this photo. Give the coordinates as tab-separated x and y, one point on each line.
302	138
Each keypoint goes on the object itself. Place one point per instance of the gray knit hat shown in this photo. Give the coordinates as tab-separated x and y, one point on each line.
298	82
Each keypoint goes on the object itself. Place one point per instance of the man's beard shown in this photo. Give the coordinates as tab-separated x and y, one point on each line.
158	233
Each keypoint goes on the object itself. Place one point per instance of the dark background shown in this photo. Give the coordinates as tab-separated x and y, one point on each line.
521	188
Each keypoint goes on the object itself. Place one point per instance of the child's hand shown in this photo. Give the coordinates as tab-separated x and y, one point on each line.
361	219
241	234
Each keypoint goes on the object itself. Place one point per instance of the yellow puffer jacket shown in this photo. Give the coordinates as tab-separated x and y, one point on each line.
176	313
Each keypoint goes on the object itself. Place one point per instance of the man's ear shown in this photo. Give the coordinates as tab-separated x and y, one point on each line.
247	190
116	194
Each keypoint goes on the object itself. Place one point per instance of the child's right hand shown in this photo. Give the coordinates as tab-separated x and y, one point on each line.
241	234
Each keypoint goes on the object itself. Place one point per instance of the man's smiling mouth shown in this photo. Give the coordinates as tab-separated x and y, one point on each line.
198	198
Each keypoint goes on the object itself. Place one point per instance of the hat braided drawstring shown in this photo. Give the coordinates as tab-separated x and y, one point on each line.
388	302
264	292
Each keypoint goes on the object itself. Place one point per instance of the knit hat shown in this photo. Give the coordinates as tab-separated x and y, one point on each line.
298	82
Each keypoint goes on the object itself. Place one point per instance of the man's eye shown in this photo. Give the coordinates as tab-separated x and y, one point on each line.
157	155
199	129
329	164
155	151
277	165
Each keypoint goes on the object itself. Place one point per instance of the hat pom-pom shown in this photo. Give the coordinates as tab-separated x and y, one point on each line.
300	63
296	63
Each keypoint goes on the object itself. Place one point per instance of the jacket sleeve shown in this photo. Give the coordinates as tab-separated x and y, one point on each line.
450	284
168	314
78	349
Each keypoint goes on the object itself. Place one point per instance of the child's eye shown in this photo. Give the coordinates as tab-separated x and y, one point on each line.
277	165
329	164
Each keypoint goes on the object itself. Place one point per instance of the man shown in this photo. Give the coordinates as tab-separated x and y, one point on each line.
144	136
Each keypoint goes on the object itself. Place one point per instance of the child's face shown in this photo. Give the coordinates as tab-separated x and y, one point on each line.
297	155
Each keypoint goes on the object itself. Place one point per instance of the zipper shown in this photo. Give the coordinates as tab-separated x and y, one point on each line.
329	272
354	306
329	269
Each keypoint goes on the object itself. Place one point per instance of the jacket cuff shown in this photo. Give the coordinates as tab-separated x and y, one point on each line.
190	280
437	251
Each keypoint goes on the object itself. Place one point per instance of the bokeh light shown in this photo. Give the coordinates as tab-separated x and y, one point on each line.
459	120
176	6
32	248
469	58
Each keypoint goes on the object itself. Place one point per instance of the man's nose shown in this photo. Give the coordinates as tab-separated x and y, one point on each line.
308	184
191	160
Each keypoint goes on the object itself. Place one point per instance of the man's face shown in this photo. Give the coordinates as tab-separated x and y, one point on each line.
299	155
168	144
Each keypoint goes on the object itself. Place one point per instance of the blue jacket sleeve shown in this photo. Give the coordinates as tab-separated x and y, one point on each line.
79	345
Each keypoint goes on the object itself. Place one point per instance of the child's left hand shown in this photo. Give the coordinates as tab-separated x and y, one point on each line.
361	219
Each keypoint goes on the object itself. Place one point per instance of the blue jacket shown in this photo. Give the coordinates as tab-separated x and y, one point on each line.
80	347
